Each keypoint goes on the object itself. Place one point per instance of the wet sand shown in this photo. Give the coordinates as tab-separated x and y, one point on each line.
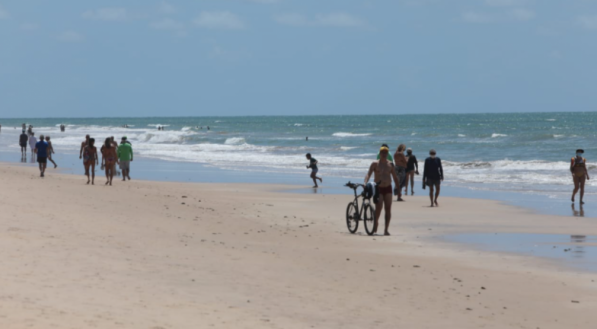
165	255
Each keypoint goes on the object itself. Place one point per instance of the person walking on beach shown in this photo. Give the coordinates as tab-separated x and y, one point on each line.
401	162
412	168
580	174
23	139
109	160
41	149
383	171
90	160
313	165
83	144
32	143
389	155
433	175
125	155
50	151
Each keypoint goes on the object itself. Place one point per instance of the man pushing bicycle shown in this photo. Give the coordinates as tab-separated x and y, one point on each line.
384	173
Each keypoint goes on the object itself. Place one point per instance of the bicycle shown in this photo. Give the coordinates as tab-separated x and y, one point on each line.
366	213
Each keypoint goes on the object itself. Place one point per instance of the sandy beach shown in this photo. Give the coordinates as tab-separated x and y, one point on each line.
158	255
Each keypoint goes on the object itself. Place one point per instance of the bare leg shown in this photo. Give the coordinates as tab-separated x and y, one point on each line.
437	187
54	163
378	208
314	178
582	191
111	173
388	211
576	187
412	183
431	194
406	183
87	173
93	173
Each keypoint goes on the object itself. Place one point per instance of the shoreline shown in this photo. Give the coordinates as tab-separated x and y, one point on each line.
222	254
151	169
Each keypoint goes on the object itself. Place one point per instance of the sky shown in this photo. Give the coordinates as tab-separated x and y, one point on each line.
138	58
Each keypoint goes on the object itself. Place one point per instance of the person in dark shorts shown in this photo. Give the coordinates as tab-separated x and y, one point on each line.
383	172
50	151
412	168
41	149
23	139
433	175
313	165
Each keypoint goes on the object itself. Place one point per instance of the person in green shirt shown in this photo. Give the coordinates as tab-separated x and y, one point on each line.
125	155
389	155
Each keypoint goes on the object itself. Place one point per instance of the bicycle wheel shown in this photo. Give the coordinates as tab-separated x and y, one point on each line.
352	218
369	218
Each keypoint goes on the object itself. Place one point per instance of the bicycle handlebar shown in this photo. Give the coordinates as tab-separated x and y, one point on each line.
354	186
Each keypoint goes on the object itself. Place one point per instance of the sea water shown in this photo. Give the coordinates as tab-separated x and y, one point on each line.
526	152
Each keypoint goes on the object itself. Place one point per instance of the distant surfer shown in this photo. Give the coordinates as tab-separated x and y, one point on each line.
313	165
307	138
580	174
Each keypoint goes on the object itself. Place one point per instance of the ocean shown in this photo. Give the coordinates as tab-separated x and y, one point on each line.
525	152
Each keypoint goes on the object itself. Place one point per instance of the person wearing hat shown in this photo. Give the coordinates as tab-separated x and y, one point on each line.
383	171
578	168
433	175
125	155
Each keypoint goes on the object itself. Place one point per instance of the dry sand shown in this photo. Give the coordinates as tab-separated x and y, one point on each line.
170	255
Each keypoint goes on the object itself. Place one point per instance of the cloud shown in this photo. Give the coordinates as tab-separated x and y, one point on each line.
166	8
3	13
167	24
588	22
523	14
219	20
70	36
504	3
331	20
474	17
28	27
106	14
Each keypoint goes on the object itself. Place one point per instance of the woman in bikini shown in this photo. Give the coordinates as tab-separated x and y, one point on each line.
578	167
90	159
109	160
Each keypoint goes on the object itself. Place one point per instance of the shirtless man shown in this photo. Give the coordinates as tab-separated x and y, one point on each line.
83	144
580	174
384	173
50	151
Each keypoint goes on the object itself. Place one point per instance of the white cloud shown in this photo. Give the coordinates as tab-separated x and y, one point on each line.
523	14
333	20
70	36
28	27
3	13
503	3
219	20
588	22
106	14
166	8
167	24
474	17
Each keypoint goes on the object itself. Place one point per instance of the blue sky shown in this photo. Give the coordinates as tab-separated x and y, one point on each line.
292	57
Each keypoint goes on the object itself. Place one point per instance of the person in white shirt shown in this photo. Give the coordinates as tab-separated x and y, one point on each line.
32	142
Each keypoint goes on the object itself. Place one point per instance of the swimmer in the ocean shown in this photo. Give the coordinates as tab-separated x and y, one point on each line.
580	174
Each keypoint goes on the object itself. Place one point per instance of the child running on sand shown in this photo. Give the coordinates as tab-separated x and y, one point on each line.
313	165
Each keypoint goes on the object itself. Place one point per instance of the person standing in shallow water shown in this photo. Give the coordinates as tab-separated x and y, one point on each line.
433	175
580	174
313	165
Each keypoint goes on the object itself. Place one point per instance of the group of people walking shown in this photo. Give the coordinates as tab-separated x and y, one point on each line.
112	154
41	150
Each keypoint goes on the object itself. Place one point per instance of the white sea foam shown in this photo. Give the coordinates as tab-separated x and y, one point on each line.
157	125
550	119
298	124
342	134
347	148
461	135
235	141
558	136
498	135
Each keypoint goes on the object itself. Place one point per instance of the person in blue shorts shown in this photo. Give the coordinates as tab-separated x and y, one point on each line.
41	149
